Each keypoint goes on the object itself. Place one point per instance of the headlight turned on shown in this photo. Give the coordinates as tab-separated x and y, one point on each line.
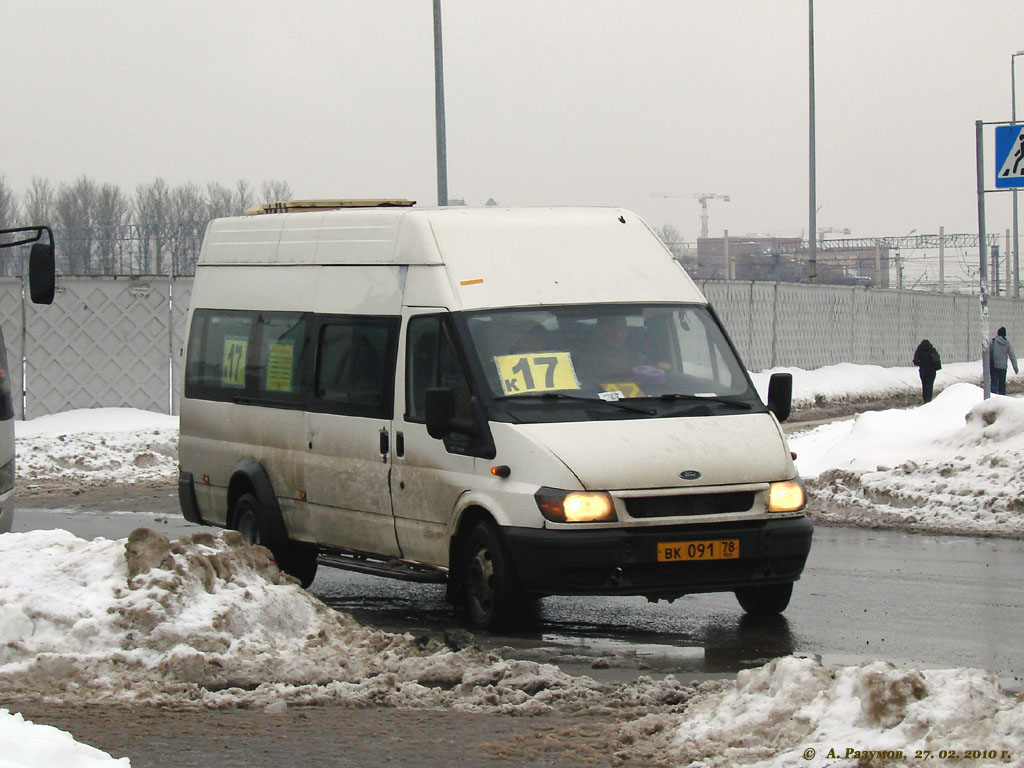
575	506
786	496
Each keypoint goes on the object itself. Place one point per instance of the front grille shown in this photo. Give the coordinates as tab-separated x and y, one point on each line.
690	504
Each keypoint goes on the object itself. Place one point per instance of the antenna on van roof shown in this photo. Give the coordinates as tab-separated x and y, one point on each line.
298	206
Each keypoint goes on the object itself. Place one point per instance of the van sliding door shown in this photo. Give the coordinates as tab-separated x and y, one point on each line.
348	434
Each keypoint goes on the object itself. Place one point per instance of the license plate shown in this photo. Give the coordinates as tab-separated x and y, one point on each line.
716	549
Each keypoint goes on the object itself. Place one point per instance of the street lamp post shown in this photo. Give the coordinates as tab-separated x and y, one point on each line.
1013	118
812	191
442	149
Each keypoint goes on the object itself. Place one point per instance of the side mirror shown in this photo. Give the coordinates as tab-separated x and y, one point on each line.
439	408
41	273
780	395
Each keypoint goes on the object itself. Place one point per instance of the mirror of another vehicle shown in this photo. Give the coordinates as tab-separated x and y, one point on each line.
41	273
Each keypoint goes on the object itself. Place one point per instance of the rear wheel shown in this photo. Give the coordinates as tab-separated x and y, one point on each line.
492	596
767	600
296	558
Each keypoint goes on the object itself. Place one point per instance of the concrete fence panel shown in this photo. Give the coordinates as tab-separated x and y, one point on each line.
120	341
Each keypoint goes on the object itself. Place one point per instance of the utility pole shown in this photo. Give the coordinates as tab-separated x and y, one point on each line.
442	152
812	192
986	372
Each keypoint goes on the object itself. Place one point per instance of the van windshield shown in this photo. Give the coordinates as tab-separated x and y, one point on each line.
627	360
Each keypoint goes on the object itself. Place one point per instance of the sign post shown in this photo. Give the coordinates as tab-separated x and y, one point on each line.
986	373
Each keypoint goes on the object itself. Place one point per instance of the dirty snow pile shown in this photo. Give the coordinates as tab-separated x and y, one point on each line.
797	712
31	745
210	621
96	446
951	465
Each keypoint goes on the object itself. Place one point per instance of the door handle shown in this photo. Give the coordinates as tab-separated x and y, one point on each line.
399	444
385	445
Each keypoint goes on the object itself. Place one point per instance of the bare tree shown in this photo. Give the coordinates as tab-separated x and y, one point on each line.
244	195
673	240
220	201
189	217
8	205
8	219
75	211
276	190
152	208
110	216
39	203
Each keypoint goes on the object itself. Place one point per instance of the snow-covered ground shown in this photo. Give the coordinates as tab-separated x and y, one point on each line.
209	622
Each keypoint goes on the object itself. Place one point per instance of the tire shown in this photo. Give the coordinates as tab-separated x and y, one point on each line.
491	591
296	558
248	520
769	600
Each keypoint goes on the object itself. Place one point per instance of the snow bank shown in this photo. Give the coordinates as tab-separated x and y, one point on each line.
951	465
212	622
96	446
28	745
847	382
798	712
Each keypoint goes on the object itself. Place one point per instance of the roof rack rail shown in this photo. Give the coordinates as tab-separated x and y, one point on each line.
297	206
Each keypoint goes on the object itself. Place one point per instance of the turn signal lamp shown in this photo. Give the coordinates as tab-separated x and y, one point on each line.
787	496
575	506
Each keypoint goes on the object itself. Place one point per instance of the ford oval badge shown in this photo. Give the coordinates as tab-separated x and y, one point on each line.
690	474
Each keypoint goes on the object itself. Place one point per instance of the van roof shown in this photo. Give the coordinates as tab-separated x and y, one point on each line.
540	254
296	206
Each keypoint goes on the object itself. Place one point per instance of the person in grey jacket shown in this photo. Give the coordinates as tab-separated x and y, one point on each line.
1001	353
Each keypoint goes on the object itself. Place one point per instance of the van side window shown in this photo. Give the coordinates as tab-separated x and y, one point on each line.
277	367
355	365
218	350
249	354
431	361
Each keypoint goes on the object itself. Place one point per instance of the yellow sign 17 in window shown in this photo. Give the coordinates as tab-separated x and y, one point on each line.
233	366
536	372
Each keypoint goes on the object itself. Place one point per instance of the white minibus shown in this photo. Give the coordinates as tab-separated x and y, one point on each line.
513	402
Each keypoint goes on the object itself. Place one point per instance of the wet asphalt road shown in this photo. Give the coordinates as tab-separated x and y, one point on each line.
913	599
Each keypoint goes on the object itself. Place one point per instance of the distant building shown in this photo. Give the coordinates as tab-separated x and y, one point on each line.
785	259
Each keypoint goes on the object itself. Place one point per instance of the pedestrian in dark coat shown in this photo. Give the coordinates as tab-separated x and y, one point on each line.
927	360
1000	354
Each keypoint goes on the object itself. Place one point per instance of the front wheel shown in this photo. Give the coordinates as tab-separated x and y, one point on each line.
492	595
764	601
296	558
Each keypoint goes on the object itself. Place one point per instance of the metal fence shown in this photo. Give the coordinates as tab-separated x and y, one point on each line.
117	341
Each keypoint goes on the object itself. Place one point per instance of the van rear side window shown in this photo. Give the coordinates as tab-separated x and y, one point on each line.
246	354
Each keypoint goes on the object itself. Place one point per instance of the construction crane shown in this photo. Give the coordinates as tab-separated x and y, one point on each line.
703	197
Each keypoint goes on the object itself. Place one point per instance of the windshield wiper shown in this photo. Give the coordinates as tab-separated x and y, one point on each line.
590	400
705	399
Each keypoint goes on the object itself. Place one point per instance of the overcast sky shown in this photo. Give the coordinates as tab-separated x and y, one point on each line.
601	102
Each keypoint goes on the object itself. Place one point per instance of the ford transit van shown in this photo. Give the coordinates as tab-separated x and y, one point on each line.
513	402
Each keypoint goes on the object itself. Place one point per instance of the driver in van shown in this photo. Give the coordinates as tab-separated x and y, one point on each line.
612	356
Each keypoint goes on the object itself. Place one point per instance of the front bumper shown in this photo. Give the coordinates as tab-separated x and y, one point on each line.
623	561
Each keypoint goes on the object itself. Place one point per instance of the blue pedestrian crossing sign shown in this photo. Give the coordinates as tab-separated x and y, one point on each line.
1009	156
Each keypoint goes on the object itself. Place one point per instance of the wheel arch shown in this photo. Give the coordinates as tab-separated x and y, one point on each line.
468	518
249	476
